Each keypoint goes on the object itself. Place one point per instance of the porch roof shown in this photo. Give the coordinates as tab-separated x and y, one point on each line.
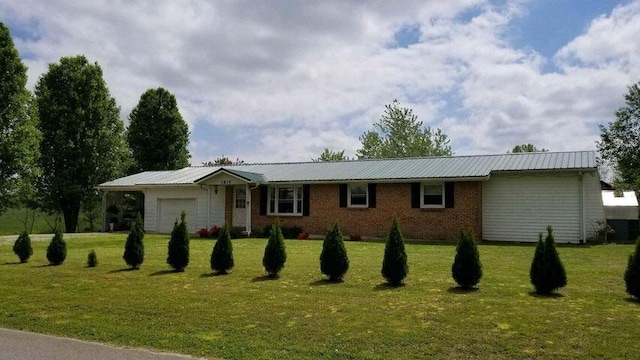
446	167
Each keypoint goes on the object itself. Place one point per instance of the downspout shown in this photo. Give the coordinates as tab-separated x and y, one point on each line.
583	231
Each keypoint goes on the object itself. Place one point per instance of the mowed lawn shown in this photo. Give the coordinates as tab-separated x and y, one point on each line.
300	316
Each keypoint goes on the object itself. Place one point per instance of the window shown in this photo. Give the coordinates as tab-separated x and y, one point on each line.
358	195
432	196
241	198
285	200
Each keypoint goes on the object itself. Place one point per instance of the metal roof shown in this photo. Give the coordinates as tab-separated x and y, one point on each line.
446	167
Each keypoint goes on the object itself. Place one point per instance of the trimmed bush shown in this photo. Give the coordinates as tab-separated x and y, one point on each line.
467	268
547	272
134	247
178	252
632	274
394	264
222	254
57	250
333	260
92	259
275	254
22	247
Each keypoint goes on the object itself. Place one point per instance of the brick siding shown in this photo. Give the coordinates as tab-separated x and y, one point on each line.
391	200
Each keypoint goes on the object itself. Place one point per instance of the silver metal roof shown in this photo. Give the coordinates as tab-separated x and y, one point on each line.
446	167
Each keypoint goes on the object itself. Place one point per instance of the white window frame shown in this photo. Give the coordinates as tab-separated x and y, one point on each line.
432	206
298	200
366	195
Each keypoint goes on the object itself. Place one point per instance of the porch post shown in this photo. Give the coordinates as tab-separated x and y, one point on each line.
105	226
247	211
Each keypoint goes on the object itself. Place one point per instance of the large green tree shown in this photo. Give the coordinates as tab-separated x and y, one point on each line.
524	148
399	133
620	141
83	137
157	134
330	155
19	136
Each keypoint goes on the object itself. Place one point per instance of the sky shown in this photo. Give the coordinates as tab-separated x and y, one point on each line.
279	81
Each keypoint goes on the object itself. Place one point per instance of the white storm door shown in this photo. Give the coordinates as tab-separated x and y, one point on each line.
239	205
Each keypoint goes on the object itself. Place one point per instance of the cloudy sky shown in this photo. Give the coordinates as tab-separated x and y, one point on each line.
274	81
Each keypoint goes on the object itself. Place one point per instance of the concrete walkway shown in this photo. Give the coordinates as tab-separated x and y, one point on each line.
20	345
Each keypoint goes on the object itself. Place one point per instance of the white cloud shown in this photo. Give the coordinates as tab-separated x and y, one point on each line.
283	80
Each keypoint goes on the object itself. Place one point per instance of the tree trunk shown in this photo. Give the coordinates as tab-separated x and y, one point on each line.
70	213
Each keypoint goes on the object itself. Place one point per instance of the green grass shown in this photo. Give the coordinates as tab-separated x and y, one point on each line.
12	222
299	316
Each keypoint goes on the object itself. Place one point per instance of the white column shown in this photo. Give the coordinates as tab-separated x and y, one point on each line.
105	226
247	211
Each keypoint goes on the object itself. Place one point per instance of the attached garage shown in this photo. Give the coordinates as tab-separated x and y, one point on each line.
519	206
171	209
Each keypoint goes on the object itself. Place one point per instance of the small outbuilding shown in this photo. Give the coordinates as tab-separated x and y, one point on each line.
621	212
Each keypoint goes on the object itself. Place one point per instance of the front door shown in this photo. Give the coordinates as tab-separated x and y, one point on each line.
239	205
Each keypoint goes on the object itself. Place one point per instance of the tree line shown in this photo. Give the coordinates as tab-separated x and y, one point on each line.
58	143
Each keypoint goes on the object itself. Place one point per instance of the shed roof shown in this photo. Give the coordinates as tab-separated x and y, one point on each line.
628	198
445	167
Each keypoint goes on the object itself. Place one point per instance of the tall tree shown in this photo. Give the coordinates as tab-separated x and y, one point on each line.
523	148
223	161
398	133
330	155
19	136
620	141
157	134
82	143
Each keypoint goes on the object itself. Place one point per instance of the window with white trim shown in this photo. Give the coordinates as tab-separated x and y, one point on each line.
285	200
358	195
432	195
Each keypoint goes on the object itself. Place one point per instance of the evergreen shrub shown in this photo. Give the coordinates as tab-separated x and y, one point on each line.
547	272
467	268
92	259
22	247
275	254
334	261
394	264
222	254
632	274
134	247
178	252
57	250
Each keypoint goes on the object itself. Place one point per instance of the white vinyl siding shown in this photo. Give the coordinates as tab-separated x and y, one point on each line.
152	211
518	207
593	202
217	206
170	210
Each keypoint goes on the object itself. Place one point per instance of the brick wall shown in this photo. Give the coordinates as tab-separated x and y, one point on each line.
391	199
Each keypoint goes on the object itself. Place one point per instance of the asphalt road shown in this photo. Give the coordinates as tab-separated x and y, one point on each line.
20	345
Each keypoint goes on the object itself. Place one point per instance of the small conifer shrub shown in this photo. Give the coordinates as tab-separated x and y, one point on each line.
547	272
222	254
22	247
632	274
467	268
57	250
334	261
178	252
134	247
92	259
275	254
394	264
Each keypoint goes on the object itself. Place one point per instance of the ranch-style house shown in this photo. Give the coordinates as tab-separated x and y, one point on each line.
506	197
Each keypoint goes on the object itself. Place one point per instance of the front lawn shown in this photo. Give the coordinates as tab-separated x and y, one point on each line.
299	316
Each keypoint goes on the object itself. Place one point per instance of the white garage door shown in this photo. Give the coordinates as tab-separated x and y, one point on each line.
170	209
517	208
